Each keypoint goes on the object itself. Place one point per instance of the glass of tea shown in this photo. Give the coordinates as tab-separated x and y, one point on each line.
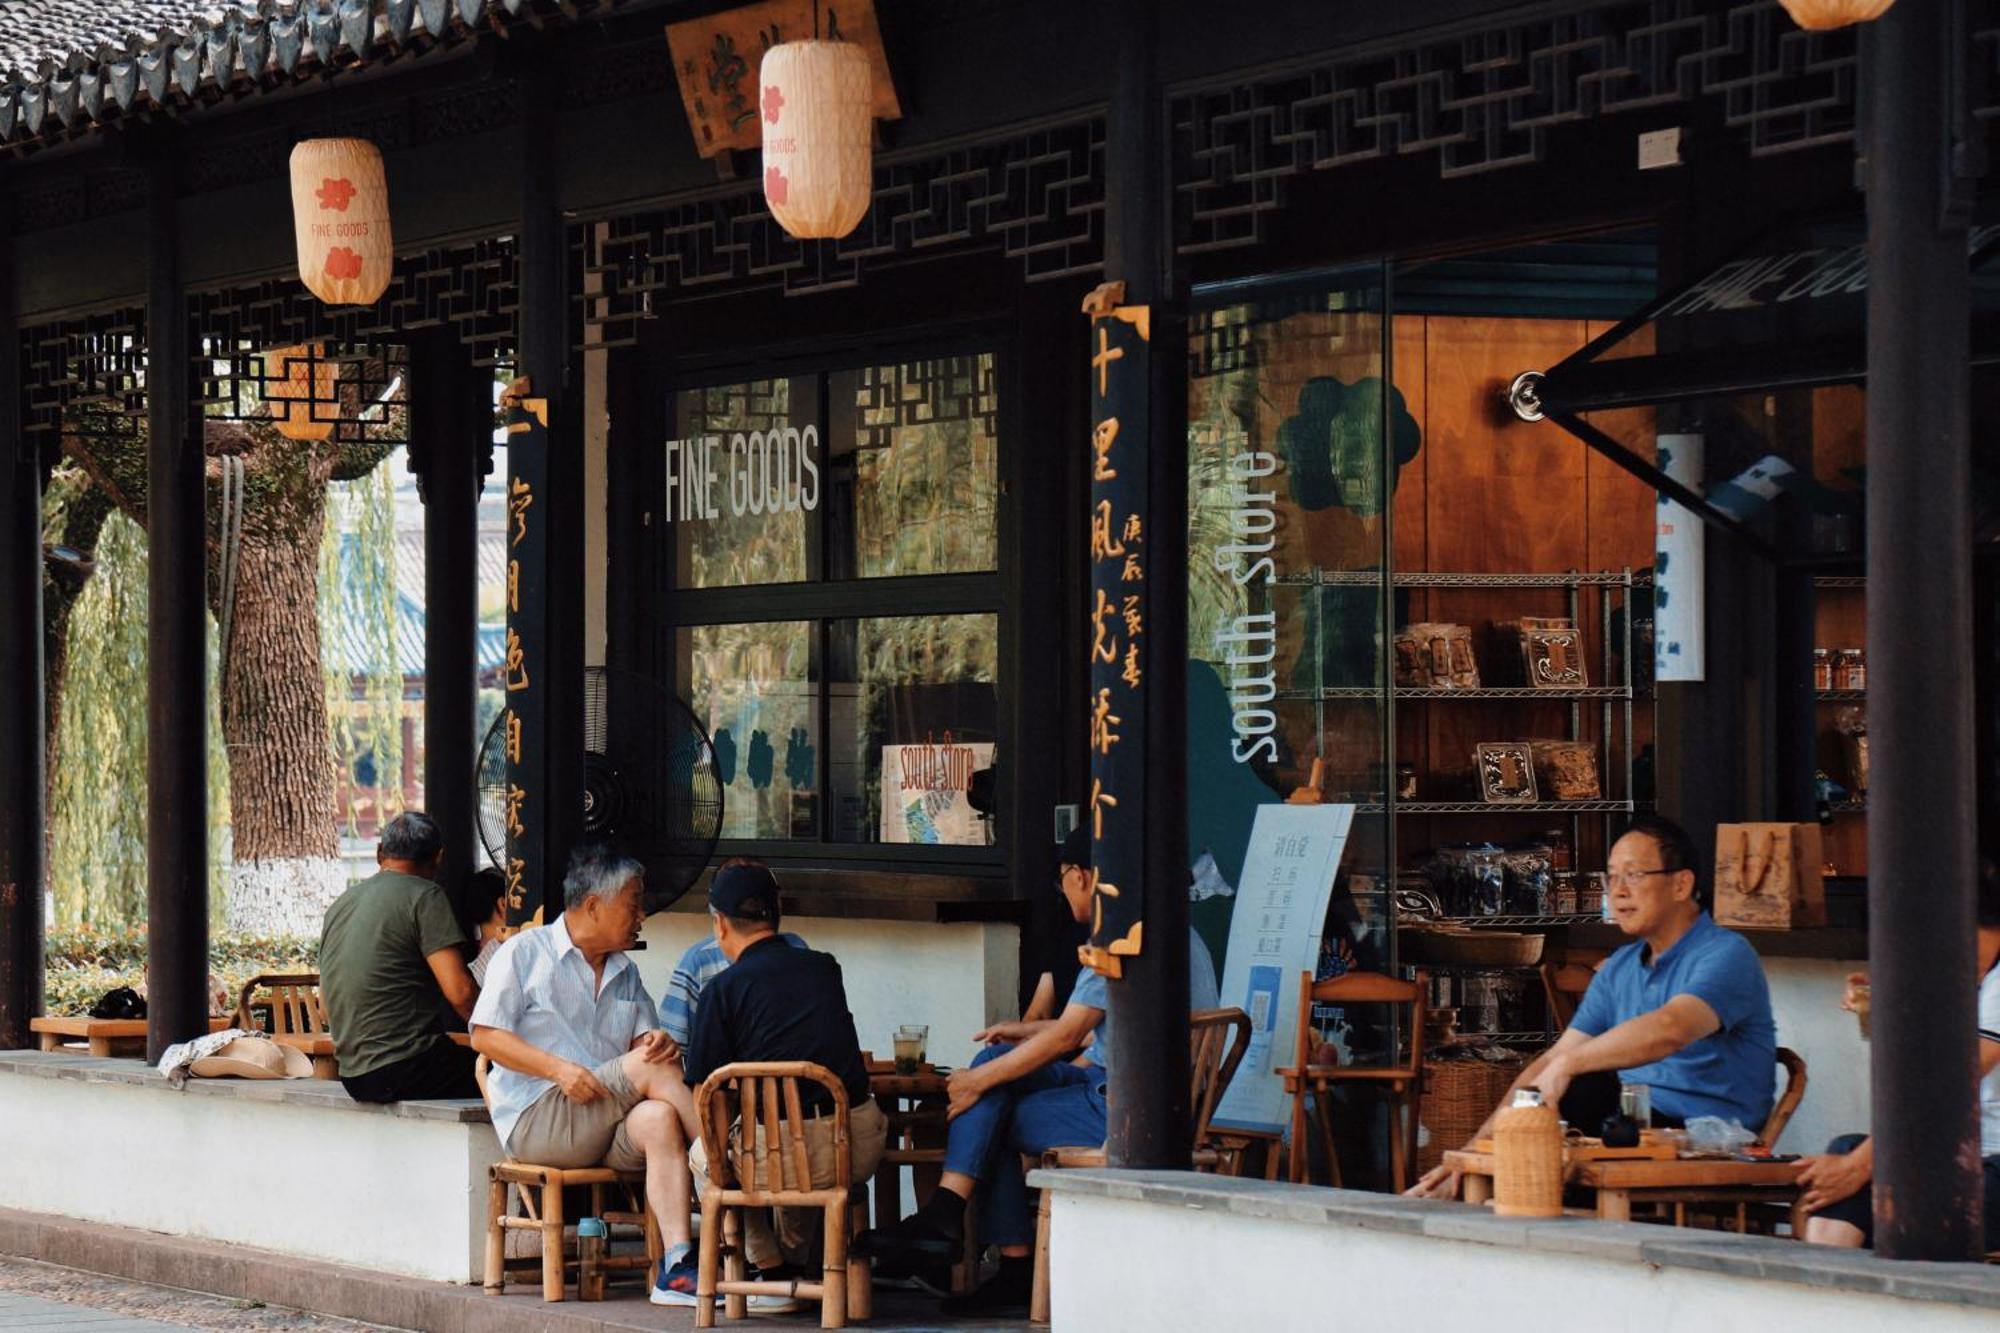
910	1041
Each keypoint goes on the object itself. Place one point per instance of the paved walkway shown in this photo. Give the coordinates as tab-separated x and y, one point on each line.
48	1299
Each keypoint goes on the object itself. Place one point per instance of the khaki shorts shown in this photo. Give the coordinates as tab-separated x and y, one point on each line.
556	1131
797	1238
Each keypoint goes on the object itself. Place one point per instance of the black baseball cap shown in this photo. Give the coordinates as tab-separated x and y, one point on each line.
1076	848
745	893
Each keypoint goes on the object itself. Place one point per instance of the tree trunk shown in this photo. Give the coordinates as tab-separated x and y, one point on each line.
286	868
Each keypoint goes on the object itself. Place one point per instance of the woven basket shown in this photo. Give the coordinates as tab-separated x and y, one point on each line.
1528	1162
1458	1096
1469	948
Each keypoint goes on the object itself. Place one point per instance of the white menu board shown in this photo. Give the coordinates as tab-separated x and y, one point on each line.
1274	934
924	793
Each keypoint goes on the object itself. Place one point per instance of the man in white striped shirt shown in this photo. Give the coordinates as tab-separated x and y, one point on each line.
581	1076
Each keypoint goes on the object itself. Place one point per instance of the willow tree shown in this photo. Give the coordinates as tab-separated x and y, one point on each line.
266	513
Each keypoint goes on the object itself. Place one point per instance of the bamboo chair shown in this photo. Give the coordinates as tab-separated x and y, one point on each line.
1753	1210
1217	1041
1403	1082
292	1003
753	1132
540	1190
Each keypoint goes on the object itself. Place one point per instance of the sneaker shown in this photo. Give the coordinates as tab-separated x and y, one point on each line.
677	1285
775	1304
914	1243
1005	1294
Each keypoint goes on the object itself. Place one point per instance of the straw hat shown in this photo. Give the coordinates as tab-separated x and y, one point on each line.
253	1057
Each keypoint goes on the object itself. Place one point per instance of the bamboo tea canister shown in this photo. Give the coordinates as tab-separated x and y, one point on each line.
817	104
340	217
1528	1158
299	385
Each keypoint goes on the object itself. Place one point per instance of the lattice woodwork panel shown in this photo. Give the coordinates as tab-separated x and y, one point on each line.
360	392
916	393
757	405
86	361
1038	198
1485	101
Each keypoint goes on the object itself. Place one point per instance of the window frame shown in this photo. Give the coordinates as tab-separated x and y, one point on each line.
825	601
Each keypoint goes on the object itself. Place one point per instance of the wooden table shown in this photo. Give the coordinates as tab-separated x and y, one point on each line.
104	1036
1680	1181
915	1106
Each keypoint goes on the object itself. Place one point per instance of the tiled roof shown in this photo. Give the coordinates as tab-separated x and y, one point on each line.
69	64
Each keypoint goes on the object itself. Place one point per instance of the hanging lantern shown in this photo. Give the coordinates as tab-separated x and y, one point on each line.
819	131
298	386
1823	14
340	214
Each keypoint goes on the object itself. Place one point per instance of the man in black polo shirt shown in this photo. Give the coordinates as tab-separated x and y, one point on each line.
777	1001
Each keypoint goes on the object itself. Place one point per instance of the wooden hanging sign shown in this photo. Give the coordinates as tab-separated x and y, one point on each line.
716	58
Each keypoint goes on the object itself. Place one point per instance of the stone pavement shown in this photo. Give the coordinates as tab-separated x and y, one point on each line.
48	1299
57	1317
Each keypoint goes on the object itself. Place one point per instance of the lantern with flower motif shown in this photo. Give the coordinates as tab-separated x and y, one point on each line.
819	136
340	216
1823	14
299	386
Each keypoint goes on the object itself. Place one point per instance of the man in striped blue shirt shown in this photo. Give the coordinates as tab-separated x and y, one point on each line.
701	964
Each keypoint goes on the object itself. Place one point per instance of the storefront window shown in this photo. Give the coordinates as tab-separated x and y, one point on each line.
849	709
755	688
914	711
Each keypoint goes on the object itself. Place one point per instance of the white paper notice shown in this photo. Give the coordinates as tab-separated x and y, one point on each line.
924	793
1274	934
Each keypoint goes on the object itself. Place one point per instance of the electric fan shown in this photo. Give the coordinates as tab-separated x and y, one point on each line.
649	782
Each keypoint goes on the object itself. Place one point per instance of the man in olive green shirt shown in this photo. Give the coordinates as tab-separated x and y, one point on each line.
391	963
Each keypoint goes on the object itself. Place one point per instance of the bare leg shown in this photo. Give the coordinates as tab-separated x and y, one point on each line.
1826	1231
664	1082
656	1131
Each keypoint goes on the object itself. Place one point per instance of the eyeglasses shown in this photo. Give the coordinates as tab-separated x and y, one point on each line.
1631	879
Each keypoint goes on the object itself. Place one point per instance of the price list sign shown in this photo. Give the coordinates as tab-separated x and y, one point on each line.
1120	371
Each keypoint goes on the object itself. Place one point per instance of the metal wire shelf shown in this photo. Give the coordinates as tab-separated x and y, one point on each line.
1522	808
1498	922
1370	578
1841	696
1839	581
1517	694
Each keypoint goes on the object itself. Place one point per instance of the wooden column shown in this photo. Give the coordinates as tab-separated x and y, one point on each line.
545	496
23	787
177	649
1148	1096
1922	835
451	416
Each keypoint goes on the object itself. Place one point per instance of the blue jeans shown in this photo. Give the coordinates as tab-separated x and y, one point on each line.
1056	1106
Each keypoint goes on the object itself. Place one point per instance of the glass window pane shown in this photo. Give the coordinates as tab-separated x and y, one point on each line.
754	688
915	473
914	710
743	483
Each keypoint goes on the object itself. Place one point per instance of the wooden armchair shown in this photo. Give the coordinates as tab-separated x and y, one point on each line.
291	1003
1217	1040
1403	1081
540	1191
753	1132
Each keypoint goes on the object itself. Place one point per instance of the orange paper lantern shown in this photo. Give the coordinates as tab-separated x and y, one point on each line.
819	136
1823	14
340	214
299	387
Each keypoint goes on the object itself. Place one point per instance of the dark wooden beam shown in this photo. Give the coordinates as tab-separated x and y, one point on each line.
451	414
177	643
23	787
1148	1097
1923	852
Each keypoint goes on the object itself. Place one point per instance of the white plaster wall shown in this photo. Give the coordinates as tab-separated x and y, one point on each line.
376	1191
1805	998
1128	1265
957	978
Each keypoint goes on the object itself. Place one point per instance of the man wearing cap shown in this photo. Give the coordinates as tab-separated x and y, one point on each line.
703	962
581	1077
1023	1094
779	1001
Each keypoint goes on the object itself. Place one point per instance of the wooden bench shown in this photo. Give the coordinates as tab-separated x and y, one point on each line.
104	1036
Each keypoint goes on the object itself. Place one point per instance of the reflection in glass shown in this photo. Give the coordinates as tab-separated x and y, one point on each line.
913	714
752	686
915	462
743	487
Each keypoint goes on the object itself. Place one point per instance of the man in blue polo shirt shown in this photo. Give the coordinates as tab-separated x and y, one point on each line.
1684	1008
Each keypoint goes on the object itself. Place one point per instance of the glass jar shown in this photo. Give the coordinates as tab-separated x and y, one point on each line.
1822	670
1853	669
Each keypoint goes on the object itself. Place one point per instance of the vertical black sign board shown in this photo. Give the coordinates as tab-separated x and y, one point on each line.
528	650
1120	522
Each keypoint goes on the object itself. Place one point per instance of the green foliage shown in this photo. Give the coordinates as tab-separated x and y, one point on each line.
357	605
98	804
86	961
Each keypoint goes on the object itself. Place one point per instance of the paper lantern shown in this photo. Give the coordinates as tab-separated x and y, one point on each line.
1822	14
299	387
819	132
340	214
